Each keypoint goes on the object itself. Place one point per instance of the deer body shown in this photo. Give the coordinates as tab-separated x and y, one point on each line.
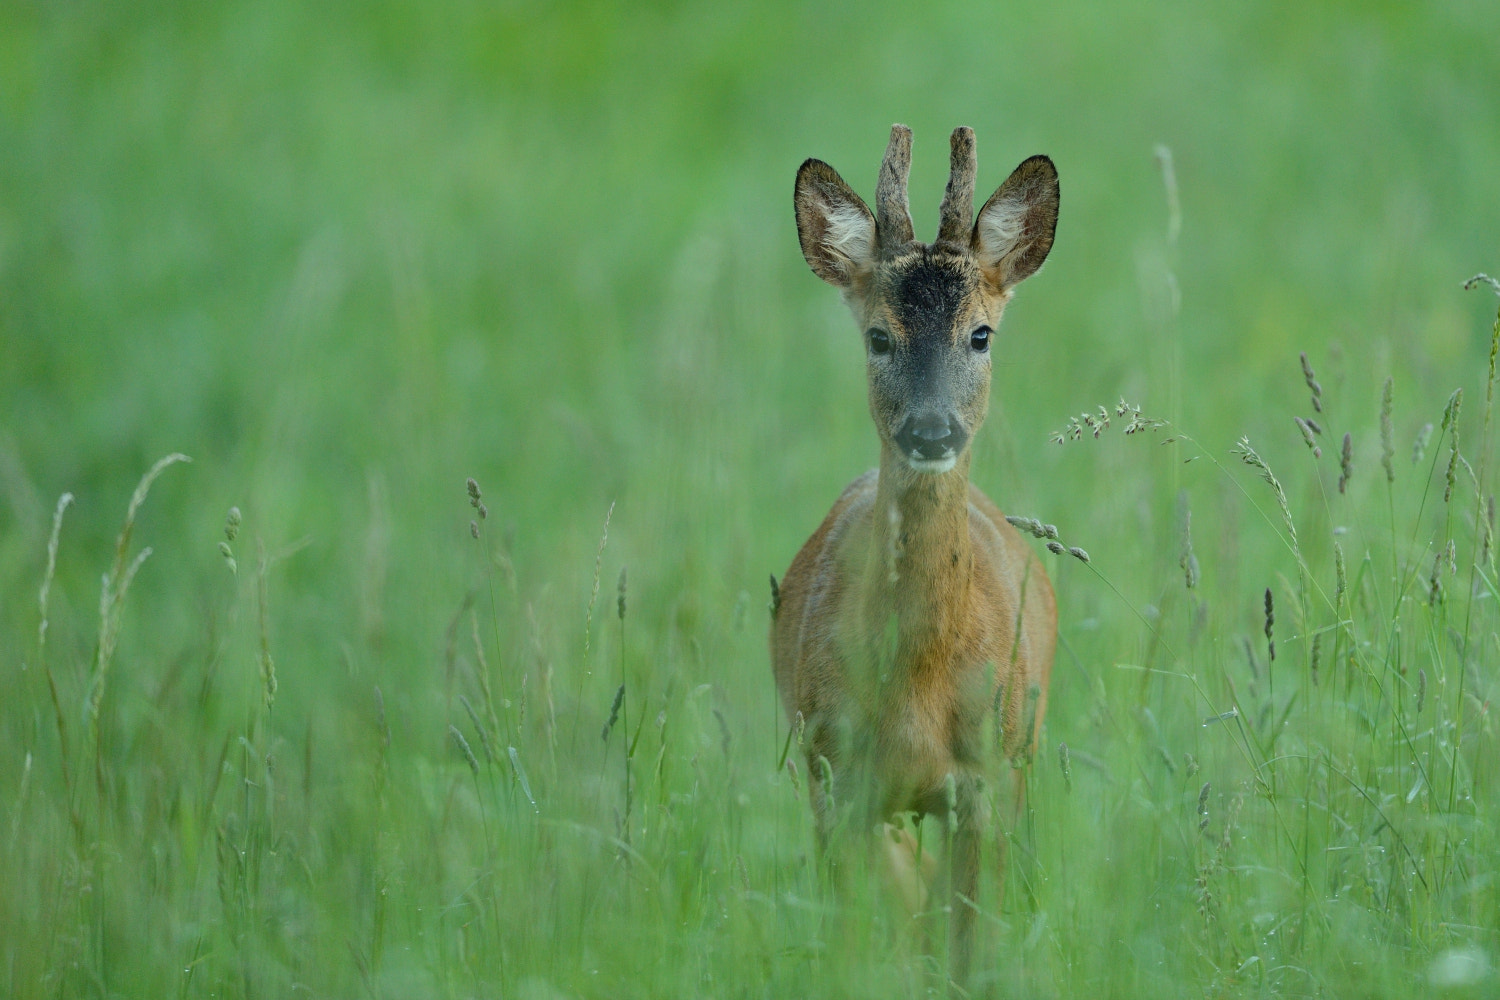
916	612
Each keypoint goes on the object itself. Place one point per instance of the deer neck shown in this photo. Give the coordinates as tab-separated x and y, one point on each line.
921	558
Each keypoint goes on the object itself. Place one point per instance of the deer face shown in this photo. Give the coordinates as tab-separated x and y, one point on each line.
928	311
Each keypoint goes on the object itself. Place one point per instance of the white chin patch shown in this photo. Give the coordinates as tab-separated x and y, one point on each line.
931	466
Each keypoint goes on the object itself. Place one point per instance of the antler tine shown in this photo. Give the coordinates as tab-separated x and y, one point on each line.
892	215
958	202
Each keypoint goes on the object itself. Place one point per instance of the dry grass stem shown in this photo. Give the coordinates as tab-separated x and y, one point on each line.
267	664
1387	436
519	773
63	503
116	584
588	618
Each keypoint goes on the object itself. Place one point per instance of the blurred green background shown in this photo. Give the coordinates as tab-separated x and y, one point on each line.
347	255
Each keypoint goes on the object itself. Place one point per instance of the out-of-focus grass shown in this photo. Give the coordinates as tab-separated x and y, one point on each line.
347	256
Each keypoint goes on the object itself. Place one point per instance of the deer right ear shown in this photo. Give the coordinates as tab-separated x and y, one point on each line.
1013	233
836	229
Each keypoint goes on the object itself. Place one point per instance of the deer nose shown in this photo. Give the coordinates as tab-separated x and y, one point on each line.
931	436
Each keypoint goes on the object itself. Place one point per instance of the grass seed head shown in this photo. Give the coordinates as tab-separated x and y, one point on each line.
1251	457
620	600
1419	446
1078	553
1450	480
1033	527
1270	621
1482	279
1346	462
232	524
1187	560
1312	383
464	748
614	713
1064	761
1453	408
474	494
1097	422
484	739
1307	437
1056	548
1487	540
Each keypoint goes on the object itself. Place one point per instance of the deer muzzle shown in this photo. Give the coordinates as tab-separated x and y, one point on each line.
931	441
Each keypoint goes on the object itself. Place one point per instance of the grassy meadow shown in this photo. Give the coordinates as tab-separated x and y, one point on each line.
346	257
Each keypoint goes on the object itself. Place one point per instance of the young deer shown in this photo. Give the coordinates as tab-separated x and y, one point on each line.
915	610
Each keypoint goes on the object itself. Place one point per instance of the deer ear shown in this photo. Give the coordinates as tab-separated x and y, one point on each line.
836	229
1013	233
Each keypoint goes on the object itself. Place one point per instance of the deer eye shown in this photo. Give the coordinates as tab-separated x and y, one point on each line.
880	341
980	339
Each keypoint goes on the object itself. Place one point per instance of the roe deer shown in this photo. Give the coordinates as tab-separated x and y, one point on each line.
915	609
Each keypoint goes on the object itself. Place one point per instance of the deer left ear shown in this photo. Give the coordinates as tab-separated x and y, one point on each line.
1013	233
836	229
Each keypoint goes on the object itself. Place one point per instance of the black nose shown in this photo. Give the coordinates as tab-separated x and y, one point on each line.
931	437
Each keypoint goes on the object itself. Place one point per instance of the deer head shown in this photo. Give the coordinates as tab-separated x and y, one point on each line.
929	310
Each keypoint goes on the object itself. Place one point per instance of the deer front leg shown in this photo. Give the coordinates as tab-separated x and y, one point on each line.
827	787
965	819
1012	812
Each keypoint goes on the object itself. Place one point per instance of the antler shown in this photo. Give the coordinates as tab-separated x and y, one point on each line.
958	202
892	215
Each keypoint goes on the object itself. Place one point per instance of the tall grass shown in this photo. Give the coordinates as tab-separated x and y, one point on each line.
346	260
1299	807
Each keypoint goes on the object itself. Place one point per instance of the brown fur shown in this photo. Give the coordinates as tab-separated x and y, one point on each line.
895	629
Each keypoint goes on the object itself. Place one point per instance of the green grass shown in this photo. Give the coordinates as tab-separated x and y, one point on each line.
346	257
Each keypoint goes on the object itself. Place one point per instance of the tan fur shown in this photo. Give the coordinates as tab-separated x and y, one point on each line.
895	636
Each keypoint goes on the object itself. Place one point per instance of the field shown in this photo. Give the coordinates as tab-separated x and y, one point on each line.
293	719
